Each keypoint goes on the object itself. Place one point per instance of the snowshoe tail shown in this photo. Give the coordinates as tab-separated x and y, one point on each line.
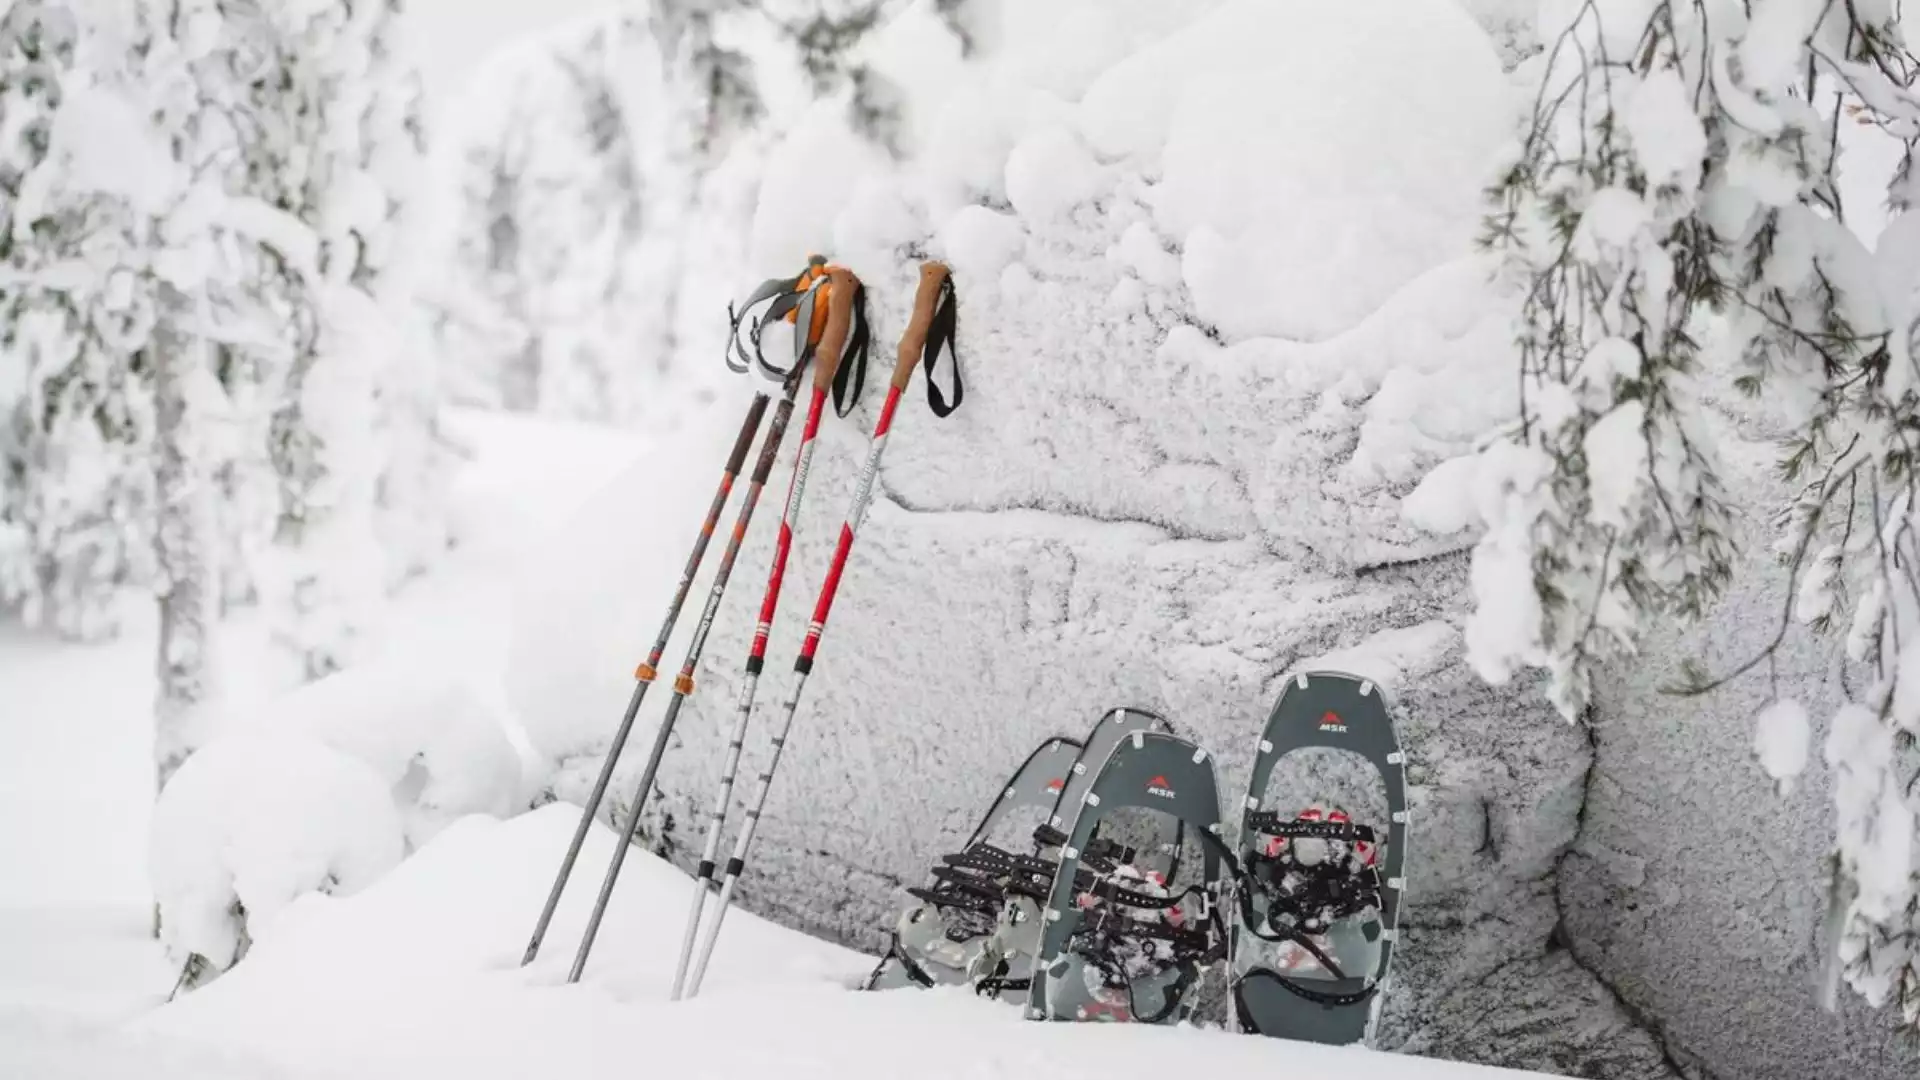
1304	1000
1151	770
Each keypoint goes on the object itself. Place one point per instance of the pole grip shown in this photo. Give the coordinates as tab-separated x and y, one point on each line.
842	284
747	427
933	275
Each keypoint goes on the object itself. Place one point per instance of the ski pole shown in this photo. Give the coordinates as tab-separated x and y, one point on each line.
838	317
841	285
930	327
644	674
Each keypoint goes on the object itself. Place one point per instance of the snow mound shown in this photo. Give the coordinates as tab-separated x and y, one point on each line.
252	822
418	976
1304	196
442	751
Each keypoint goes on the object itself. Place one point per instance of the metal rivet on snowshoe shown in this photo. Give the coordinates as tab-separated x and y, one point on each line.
1070	853
1400	816
1266	746
1301	680
1396	758
1366	688
1139	739
1199	756
1092	799
1396	883
1253	803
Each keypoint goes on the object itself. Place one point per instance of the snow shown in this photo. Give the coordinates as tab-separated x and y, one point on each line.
422	970
1780	737
440	747
1049	172
1285	176
416	974
257	821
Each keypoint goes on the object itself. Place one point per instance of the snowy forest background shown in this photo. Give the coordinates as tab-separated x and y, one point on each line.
263	292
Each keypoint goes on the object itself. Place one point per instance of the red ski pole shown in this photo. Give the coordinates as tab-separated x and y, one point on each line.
842	289
930	328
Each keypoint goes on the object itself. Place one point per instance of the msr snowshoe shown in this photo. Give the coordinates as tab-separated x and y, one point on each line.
1320	895
937	941
976	921
1120	943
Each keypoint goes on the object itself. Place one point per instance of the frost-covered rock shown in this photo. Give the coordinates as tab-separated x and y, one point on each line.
1697	889
253	821
1145	500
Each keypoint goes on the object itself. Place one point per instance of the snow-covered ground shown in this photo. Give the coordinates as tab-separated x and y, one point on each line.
417	975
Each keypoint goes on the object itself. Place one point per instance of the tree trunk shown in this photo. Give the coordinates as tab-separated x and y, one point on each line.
186	538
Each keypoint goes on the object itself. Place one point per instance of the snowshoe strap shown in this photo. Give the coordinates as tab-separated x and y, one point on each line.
991	984
959	900
1271	824
966	883
914	971
1299	987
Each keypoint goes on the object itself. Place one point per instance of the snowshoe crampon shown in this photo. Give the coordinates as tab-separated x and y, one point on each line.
1319	903
939	940
1119	943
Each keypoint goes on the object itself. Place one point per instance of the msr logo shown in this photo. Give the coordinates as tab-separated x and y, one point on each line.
1056	784
1332	722
1159	786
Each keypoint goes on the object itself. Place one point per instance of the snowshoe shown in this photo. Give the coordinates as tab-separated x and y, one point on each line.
975	921
1320	896
1119	943
938	940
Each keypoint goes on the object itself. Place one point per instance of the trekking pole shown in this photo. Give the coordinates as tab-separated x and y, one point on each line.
842	284
837	318
644	674
930	327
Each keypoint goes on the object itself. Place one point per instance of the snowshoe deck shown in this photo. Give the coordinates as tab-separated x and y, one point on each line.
1072	977
1282	983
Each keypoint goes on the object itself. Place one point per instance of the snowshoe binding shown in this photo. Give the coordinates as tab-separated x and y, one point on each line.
937	941
1119	941
976	920
1320	895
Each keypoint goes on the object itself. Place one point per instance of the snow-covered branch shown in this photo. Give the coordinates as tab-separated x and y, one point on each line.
1679	168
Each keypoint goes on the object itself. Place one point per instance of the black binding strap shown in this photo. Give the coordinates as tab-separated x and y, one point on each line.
1299	987
1270	824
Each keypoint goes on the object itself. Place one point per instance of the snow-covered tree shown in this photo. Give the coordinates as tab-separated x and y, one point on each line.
580	200
333	144
75	422
1674	194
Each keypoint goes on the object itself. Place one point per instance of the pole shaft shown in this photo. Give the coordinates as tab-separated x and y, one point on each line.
683	684
644	674
803	666
743	710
